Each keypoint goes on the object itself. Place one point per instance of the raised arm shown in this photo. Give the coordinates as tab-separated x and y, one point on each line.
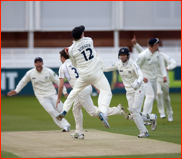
136	45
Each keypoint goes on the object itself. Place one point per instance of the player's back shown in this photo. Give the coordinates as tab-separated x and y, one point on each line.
83	52
69	72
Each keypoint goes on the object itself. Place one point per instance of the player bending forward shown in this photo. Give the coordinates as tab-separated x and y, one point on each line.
42	79
84	99
133	80
84	57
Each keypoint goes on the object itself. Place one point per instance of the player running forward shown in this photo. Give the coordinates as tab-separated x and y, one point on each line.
84	58
83	99
163	97
42	79
150	61
132	78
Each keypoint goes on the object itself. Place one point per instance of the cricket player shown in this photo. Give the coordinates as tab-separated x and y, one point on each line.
84	58
42	79
162	87
84	99
149	61
132	78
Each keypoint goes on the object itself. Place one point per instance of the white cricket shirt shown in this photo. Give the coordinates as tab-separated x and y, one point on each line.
149	64
69	72
42	82
83	56
168	62
128	73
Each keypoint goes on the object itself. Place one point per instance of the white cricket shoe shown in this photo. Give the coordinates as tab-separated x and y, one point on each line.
162	115
170	118
103	117
147	123
66	129
123	111
77	136
146	134
154	123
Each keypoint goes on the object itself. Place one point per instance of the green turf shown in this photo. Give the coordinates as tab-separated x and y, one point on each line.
5	154
26	114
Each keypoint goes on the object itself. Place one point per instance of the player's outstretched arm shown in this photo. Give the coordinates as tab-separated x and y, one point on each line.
11	93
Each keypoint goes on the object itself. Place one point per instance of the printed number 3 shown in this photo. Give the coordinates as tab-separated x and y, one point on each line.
77	75
90	57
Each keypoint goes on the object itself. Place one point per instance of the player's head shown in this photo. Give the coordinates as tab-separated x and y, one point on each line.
78	32
63	55
38	62
154	43
124	54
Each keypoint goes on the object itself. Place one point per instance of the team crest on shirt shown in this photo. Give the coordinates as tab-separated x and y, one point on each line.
33	78
120	70
129	71
148	59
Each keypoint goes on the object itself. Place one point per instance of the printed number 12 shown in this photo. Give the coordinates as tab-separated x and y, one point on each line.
90	56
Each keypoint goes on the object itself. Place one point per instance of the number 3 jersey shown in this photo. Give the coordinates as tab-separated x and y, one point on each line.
84	57
67	71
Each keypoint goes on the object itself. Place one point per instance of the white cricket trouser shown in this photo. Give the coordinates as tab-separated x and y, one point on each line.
150	93
84	100
135	101
163	98
99	80
49	104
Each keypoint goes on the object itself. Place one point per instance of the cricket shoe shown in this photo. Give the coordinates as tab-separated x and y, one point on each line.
123	111
170	118
77	136
154	123
66	129
146	134
162	115
61	115
147	123
103	117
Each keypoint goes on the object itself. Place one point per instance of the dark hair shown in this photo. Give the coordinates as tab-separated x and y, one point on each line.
151	45
64	54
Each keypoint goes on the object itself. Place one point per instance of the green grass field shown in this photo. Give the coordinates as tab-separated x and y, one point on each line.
24	113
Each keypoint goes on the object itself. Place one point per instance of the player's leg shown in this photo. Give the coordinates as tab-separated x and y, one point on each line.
78	116
105	94
137	100
64	122
149	93
48	106
167	101
79	85
160	104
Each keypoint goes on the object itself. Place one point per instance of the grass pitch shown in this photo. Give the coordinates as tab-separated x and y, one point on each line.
24	113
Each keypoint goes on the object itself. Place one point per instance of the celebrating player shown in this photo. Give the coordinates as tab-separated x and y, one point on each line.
162	87
84	58
83	99
149	61
132	78
42	79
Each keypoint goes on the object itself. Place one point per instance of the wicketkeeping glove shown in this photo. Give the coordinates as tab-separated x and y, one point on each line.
135	85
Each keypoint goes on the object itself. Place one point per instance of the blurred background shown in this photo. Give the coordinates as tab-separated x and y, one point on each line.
42	28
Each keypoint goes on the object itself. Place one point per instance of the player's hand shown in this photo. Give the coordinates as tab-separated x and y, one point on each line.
135	85
66	95
166	69
11	93
66	50
134	40
164	79
58	101
145	80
